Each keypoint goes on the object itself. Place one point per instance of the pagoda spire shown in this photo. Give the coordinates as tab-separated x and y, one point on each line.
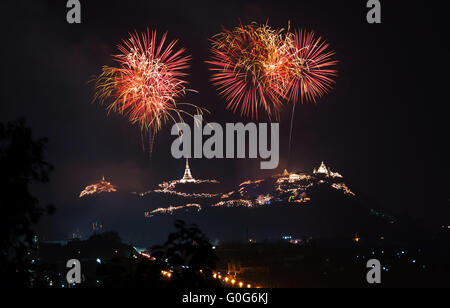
187	178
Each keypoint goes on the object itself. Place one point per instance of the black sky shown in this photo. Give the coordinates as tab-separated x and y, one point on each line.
384	126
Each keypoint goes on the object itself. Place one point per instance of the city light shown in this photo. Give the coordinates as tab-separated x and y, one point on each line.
230	280
166	274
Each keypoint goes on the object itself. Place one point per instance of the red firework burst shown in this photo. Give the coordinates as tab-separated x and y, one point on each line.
248	63
311	72
147	81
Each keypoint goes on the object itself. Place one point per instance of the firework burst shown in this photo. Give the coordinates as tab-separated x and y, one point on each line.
248	65
311	70
311	74
146	83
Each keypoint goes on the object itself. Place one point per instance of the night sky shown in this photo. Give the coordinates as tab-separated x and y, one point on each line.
383	126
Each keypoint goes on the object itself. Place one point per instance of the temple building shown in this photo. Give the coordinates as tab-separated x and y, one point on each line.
187	178
323	170
101	187
293	177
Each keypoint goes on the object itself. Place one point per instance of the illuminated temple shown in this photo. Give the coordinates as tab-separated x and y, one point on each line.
187	178
323	170
101	187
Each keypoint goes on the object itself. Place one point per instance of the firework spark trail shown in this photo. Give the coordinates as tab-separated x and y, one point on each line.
311	73
247	65
146	83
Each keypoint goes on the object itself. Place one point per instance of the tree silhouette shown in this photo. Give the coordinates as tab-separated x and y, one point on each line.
186	252
190	255
21	164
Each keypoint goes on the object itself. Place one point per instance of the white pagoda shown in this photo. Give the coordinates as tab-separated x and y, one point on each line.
187	178
326	171
322	169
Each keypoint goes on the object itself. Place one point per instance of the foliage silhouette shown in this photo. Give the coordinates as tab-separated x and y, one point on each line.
21	163
187	253
190	255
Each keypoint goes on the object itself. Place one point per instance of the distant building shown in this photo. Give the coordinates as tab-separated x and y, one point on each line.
262	200
294	177
187	178
101	187
323	170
